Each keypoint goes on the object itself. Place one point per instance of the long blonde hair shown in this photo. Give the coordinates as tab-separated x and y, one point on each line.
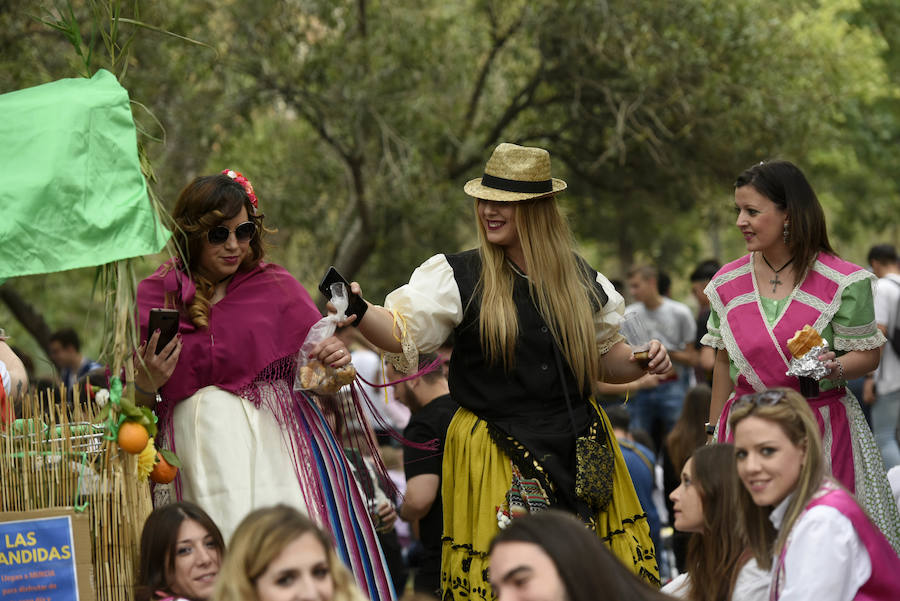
792	414
563	295
259	539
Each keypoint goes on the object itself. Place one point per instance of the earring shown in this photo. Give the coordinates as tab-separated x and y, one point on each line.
787	234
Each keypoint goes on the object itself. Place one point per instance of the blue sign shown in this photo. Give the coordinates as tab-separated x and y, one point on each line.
37	560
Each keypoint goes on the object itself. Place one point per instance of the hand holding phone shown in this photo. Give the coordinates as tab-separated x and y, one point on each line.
166	321
357	306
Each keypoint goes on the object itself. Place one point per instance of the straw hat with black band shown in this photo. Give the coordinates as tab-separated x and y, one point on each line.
515	173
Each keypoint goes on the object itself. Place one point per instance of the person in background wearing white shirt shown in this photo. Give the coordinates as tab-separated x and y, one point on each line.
719	564
824	546
884	388
655	410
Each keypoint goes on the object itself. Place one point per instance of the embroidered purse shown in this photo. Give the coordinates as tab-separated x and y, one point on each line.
595	461
595	466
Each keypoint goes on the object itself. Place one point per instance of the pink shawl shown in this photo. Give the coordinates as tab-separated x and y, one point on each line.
264	318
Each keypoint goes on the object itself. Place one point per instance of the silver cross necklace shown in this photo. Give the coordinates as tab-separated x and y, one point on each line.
775	281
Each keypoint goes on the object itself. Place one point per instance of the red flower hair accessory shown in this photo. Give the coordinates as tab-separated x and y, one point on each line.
248	187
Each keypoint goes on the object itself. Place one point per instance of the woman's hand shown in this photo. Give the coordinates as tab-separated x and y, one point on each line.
351	317
835	369
647	381
387	516
331	351
850	365
152	370
659	358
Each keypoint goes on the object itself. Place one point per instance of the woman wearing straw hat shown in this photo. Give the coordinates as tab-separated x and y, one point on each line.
535	328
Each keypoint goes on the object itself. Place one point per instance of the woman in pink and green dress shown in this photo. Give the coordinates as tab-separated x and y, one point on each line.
792	278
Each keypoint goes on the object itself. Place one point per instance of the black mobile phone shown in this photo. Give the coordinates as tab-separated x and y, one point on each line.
333	276
356	305
166	321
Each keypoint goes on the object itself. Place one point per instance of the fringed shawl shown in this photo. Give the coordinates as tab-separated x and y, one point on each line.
263	319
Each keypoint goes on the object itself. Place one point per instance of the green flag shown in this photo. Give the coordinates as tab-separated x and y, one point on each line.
71	189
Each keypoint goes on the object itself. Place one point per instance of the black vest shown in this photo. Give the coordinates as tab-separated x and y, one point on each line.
525	408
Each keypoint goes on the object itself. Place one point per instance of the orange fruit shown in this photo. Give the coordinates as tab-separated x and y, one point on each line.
133	437
163	472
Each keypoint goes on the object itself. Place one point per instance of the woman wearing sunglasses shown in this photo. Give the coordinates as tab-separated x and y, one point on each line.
719	564
224	385
791	278
823	546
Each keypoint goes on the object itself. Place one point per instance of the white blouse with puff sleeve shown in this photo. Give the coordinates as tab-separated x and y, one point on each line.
429	307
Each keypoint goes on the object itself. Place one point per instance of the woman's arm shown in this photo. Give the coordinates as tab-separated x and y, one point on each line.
855	364
707	358
644	382
427	310
377	325
722	386
619	366
855	327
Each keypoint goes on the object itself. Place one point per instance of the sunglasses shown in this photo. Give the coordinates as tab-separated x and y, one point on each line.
760	399
220	233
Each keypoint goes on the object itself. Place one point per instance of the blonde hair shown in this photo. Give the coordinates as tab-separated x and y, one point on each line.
563	294
792	414
259	539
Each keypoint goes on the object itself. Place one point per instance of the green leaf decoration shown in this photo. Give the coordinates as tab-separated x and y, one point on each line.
148	419
170	457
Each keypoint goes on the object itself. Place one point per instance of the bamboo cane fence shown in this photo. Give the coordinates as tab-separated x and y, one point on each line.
59	457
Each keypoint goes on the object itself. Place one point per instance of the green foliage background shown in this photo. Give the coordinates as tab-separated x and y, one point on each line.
359	121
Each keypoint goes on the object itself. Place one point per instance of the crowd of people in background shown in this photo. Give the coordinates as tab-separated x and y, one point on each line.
501	441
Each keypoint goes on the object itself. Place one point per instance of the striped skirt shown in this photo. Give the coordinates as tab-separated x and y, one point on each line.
238	456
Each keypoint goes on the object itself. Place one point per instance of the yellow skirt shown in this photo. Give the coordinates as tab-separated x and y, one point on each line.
478	474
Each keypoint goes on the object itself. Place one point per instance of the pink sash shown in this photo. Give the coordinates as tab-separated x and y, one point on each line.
884	583
762	353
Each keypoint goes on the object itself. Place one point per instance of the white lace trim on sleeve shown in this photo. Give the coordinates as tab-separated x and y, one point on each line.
425	311
607	320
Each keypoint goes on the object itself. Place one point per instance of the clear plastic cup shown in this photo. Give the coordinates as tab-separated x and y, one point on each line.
638	337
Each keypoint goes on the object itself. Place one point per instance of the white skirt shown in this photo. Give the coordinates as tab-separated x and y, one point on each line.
234	457
237	458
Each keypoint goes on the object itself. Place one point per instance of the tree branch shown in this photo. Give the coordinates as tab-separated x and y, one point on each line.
28	316
521	101
499	40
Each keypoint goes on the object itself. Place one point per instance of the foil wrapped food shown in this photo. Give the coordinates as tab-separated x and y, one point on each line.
808	365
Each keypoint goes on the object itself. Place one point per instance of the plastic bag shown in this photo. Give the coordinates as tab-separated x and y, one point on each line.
311	373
